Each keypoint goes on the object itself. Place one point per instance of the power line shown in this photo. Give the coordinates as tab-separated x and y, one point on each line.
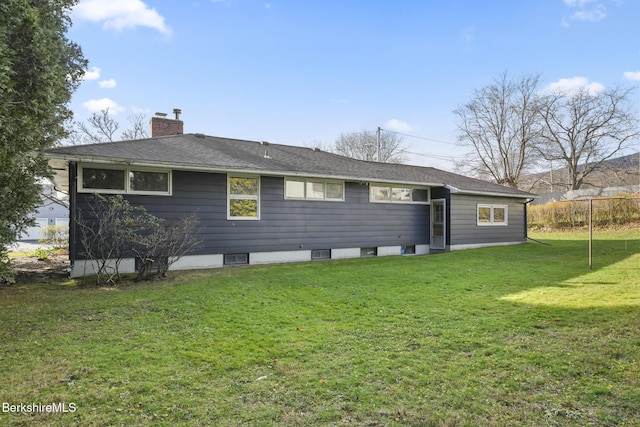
420	137
452	159
432	156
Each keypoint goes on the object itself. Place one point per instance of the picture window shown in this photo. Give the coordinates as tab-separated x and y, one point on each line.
130	180
384	194
313	189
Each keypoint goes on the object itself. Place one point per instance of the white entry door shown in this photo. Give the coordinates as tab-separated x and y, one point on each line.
438	224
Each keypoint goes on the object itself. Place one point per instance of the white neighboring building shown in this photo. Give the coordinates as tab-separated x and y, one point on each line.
49	213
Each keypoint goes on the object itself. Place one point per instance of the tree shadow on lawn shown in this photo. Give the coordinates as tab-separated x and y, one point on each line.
614	280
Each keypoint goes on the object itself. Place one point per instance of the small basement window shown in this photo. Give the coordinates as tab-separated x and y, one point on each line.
368	252
321	254
408	250
236	259
154	265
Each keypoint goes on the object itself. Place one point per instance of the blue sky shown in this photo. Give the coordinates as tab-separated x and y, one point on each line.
303	72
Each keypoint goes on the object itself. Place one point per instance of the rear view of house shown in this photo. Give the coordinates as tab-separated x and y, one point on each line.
264	203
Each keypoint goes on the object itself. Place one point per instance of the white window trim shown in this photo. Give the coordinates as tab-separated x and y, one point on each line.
127	183
492	222
242	197
135	169
314	199
401	202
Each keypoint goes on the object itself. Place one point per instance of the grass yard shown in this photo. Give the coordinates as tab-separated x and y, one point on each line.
519	335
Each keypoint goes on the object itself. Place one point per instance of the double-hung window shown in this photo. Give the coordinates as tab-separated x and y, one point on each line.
243	200
492	214
124	180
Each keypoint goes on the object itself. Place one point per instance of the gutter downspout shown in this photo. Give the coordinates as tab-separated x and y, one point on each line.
73	184
526	219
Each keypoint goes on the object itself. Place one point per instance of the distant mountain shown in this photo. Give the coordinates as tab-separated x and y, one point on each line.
618	172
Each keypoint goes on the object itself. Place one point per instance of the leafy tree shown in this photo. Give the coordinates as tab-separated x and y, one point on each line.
583	129
39	70
366	146
501	126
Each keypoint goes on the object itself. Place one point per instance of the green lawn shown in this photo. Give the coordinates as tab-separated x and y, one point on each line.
519	335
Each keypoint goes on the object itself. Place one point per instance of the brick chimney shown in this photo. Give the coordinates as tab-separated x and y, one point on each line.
162	126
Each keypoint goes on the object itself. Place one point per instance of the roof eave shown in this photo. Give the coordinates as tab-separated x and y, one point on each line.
227	169
455	190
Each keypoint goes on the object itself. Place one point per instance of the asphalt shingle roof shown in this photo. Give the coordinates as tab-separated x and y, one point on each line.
201	152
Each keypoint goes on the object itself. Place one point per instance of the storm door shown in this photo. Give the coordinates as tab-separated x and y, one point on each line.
438	224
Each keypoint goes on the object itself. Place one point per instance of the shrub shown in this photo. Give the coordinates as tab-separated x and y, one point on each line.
165	243
56	236
42	254
111	229
7	272
607	212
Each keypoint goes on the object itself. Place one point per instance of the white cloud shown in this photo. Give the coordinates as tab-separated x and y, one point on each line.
632	75
398	125
579	3
93	74
585	10
573	85
592	15
140	110
97	105
121	14
107	84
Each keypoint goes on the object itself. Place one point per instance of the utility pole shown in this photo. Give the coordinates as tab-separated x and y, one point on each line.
378	144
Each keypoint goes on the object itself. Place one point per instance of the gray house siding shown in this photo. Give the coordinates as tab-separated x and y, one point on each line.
463	221
285	225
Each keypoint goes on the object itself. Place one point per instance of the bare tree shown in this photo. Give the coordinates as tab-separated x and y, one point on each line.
138	129
389	148
583	130
101	127
501	126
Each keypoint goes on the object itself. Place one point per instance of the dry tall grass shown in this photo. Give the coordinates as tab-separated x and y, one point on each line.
620	211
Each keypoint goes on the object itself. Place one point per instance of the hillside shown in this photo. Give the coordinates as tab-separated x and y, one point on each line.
618	172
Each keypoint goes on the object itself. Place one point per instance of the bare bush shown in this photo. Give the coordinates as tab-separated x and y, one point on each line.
104	235
111	229
164	244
